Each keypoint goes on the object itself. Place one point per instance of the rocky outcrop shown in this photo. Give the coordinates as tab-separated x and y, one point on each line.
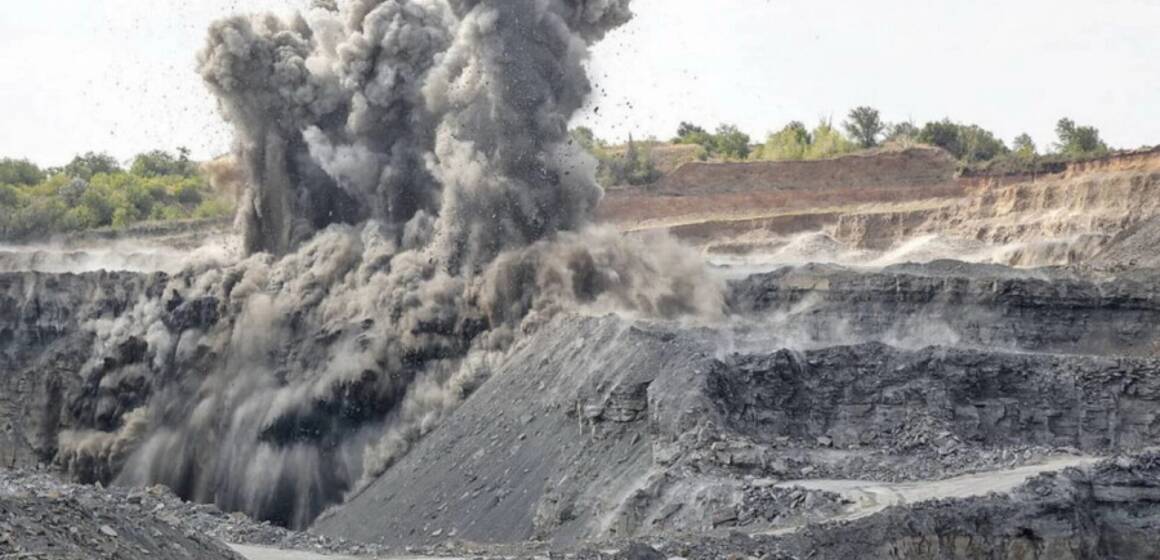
44	348
949	302
612	430
878	396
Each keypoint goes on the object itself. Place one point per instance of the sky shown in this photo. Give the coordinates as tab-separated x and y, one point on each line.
118	75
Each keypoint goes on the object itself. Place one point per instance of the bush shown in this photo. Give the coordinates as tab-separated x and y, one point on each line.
20	172
731	143
1024	147
10	196
1079	140
728	143
794	142
828	142
968	143
634	167
903	132
159	163
90	164
790	143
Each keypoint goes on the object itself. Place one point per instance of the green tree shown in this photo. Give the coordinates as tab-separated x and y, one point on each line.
20	172
189	192
72	192
639	168
692	134
585	138
1078	140
689	130
967	143
158	163
828	142
89	164
789	143
1024	147
731	143
980	144
903	132
11	197
864	125
944	134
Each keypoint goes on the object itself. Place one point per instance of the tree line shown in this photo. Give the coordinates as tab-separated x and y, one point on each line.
972	145
94	190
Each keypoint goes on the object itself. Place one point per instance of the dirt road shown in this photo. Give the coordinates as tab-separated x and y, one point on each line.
259	553
869	498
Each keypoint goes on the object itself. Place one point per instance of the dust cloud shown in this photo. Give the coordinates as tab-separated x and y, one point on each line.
412	204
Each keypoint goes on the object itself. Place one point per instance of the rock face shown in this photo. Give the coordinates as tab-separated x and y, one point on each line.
597	428
654	433
948	302
875	395
43	349
593	429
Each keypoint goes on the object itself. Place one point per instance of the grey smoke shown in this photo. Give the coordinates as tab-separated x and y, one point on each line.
412	206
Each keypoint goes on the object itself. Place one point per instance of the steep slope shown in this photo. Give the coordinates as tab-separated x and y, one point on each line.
1099	198
894	206
949	302
44	348
549	448
596	428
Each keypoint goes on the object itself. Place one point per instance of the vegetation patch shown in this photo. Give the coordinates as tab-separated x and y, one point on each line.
95	191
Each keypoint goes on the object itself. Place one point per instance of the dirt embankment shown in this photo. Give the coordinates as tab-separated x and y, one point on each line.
722	192
879	201
1100	198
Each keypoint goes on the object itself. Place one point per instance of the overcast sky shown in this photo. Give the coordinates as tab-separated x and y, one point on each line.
117	75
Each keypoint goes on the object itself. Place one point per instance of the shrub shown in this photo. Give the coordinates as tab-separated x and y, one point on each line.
828	142
20	172
968	143
1079	140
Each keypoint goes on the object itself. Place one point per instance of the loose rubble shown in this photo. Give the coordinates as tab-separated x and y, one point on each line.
57	514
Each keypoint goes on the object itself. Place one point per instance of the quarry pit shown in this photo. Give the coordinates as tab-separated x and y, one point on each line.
866	396
431	334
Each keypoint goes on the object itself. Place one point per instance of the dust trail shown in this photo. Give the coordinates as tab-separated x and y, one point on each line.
413	203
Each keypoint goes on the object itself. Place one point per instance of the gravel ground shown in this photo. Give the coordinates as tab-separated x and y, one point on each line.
32	499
